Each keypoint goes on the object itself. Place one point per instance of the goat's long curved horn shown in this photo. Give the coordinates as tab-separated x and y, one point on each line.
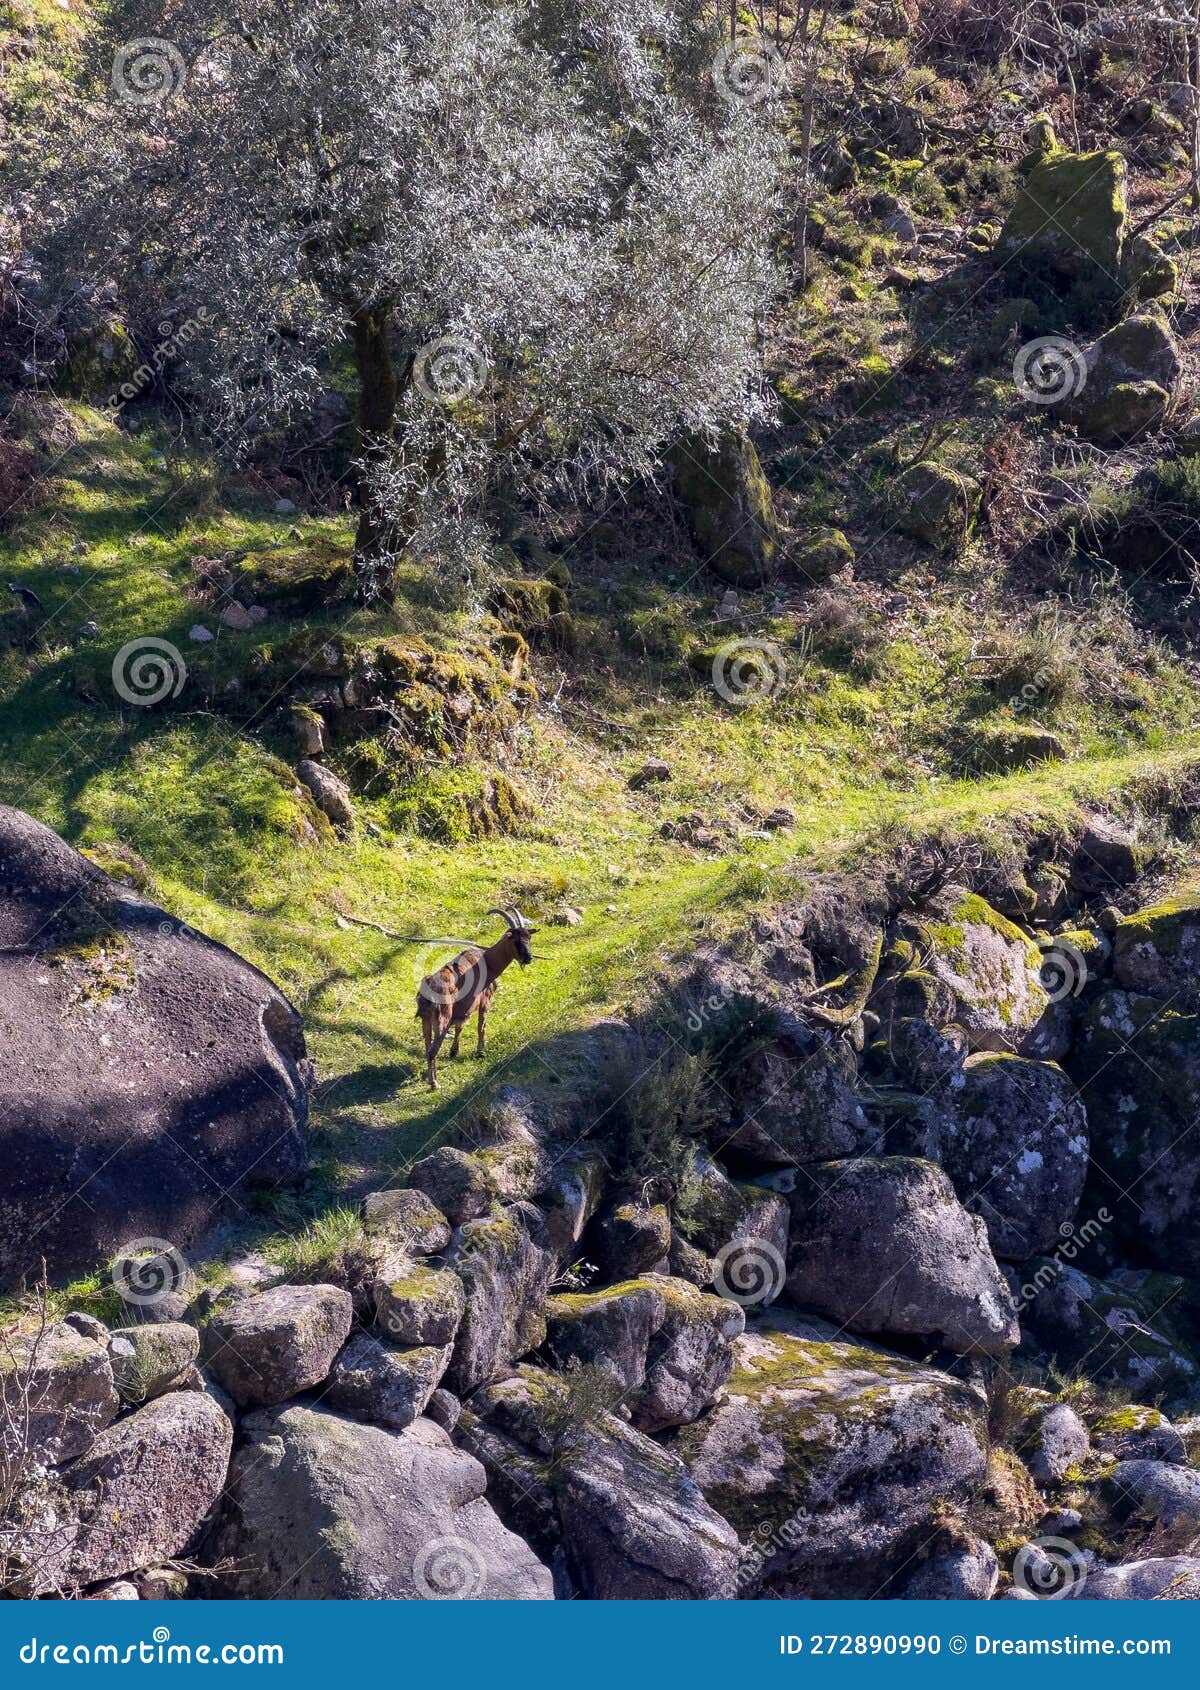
506	915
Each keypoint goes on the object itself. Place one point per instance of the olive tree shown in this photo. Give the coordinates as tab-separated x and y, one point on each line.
541	228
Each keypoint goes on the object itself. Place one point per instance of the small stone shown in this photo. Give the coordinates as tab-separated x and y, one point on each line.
285	507
236	616
330	794
199	634
654	769
89	630
443	1408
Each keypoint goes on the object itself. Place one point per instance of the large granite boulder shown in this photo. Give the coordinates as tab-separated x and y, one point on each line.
272	1346
149	1073
1069	219
141	1494
882	1245
1016	1147
563	1469
57	1394
829	1457
960	961
321	1507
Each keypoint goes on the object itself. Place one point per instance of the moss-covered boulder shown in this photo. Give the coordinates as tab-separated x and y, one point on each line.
817	555
1015	1144
1137	1064
381	1384
1122	1330
983	974
830	1457
1069	219
101	363
1147	271
292	579
505	1263
1157	950
882	1245
717	1212
1132	382
620	1513
795	1101
152	1358
726	500
936	505
417	1304
1135	1432
666	1343
538	607
56	1395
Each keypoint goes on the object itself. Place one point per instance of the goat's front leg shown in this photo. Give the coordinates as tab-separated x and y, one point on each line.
433	1045
481	1046
457	1035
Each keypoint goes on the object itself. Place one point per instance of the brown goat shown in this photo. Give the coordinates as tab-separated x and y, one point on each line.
447	998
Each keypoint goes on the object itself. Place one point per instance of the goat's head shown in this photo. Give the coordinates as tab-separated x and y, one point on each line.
520	931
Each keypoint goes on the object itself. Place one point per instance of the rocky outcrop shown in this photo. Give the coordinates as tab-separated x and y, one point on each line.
321	1507
828	1457
148	1072
1123	1329
883	1246
1157	951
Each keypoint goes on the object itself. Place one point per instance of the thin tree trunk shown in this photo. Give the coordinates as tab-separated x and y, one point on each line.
378	392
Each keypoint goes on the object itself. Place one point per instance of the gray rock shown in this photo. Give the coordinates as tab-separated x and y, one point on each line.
443	1408
829	1456
570	1196
1161	1491
724	1211
1051	1439
1119	1330
370	1381
505	1264
56	1394
1137	1433
1106	858
1151	1580
321	1507
632	1524
795	1102
277	1343
965	1572
726	500
454	1182
143	1490
418	1304
407	1219
631	1239
236	616
1157	951
1133	378
1016	1148
149	1360
94	1162
116	1590
882	1245
330	793
199	634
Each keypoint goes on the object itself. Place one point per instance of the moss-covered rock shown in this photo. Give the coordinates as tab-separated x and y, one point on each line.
101	363
417	1304
1069	218
538	607
727	502
1157	950
1147	271
1121	1330
297	579
819	554
991	748
1132	380
991	971
829	1457
935	504
1137	1063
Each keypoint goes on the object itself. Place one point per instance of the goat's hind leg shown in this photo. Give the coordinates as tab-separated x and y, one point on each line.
481	1044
